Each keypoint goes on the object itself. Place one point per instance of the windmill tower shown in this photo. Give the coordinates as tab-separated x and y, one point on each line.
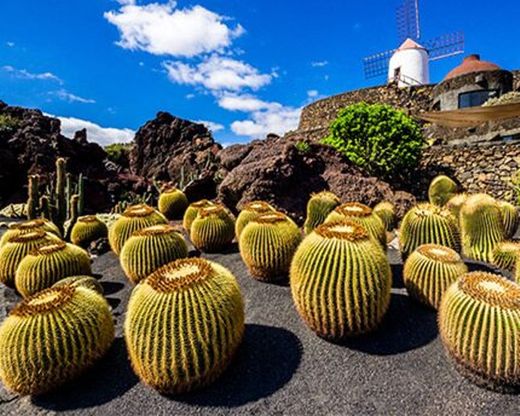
409	64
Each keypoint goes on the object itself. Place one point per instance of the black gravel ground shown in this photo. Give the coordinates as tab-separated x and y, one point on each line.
282	367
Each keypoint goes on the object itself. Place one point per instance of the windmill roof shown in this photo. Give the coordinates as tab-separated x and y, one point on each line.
410	44
471	63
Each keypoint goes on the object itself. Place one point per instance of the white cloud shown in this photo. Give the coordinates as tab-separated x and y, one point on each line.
318	64
312	93
246	103
162	29
71	98
211	125
24	74
279	121
10	44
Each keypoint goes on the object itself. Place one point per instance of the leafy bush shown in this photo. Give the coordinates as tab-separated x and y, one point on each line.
119	153
302	147
8	123
378	138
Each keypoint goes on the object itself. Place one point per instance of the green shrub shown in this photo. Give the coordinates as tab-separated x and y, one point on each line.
302	147
378	138
8	123
119	153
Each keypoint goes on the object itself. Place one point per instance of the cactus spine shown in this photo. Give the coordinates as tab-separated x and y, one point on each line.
386	211
191	212
340	280
87	229
479	326
429	271
319	206
172	203
52	337
213	229
510	218
88	282
150	248
267	245
441	190
251	210
31	225
183	325
504	255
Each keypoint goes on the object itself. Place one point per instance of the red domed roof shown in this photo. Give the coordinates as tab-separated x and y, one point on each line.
471	63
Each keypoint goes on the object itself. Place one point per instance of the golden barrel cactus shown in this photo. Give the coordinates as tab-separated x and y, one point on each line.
87	229
340	280
455	203
88	282
386	211
267	245
510	218
429	271
31	225
319	206
479	324
172	203
150	248
249	211
213	229
52	337
505	254
441	190
191	212
183	325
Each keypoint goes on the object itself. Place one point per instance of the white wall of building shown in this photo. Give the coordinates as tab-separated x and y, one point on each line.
413	65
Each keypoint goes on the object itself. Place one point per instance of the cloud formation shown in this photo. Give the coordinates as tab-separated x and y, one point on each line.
65	95
25	74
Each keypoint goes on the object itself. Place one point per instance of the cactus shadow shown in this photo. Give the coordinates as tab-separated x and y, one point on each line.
265	362
397	276
109	288
481	266
113	302
111	377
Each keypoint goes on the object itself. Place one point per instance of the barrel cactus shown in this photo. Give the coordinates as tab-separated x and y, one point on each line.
191	212
363	215
172	203
87	229
340	280
319	206
481	226
510	218
133	219
31	225
455	204
213	229
441	190
249	211
150	248
52	337
183	325
428	224
479	324
84	281
267	245
505	254
386	211
429	271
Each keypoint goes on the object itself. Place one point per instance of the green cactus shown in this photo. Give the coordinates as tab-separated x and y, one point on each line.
150	248
31	225
191	212
455	204
133	219
428	224
505	254
429	271
362	215
173	203
267	245
479	326
441	190
213	229
52	337
386	211
32	200
88	282
510	218
319	206
481	227
183	325
340	280
87	229
249	211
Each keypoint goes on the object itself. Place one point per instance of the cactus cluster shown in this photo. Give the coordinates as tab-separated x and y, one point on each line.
30	225
455	203
441	190
183	325
191	212
213	229
481	227
510	218
340	280
87	229
46	265
428	224
267	245
429	271
172	203
505	255
318	208
135	218
250	211
386	211
88	282
52	337
479	326
150	248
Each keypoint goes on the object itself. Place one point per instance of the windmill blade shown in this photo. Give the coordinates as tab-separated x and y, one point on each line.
407	16
446	45
377	65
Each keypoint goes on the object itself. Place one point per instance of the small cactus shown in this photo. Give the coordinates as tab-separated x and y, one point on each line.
510	218
479	326
183	325
52	337
441	190
191	212
429	271
455	203
213	229
88	282
87	229
319	206
386	211
267	245
172	203
150	248
504	255
249	211
340	280
21	227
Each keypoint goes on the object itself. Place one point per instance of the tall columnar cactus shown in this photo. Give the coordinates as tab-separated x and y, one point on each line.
510	218
32	200
16	248
150	248
505	254
88	282
340	280
31	225
183	325
52	337
249	211
363	215
455	203
479	324
319	206
47	264
172	203
213	229
267	245
481	226
133	219
386	211
87	229
191	212
428	224
429	271
441	190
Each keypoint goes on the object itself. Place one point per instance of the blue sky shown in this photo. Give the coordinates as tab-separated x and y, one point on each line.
244	66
